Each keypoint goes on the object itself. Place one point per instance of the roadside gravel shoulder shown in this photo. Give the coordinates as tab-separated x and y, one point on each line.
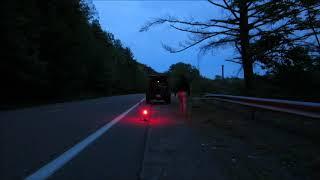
216	143
174	151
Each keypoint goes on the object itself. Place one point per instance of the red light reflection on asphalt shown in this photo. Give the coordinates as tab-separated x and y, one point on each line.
161	121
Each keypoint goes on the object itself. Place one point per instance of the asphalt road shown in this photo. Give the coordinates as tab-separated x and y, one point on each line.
33	137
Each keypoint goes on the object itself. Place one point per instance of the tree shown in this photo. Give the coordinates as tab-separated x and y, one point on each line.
55	50
247	22
300	31
176	71
311	18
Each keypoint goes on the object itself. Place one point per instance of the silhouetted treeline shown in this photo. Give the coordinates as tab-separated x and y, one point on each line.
56	49
263	33
298	80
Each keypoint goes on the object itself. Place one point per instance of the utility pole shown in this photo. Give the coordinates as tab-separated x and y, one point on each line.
222	71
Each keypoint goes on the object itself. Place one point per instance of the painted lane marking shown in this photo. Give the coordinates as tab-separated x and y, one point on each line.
50	168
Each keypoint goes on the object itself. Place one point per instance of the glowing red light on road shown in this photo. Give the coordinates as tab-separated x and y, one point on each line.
145	112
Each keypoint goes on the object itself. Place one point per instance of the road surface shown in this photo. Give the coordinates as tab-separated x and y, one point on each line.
33	137
105	138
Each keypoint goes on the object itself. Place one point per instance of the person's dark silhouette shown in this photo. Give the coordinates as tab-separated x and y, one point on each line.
183	90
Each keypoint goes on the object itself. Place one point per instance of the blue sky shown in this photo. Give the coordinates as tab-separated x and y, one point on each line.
125	18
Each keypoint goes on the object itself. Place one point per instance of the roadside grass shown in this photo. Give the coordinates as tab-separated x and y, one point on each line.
259	144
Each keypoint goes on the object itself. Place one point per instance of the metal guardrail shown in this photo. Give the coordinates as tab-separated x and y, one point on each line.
307	109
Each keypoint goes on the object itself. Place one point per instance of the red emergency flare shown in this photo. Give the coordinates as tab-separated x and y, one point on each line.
145	114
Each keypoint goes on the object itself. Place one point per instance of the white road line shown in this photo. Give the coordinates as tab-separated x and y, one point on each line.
50	168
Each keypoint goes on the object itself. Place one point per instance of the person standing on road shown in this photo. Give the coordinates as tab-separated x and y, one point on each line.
183	90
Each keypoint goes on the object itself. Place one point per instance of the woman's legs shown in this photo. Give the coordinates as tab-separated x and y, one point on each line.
182	101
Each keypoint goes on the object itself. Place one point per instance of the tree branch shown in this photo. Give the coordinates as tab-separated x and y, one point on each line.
233	11
204	32
229	21
234	61
216	43
219	5
171	50
176	21
227	7
170	20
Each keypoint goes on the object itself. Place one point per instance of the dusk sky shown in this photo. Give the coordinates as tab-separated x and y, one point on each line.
125	18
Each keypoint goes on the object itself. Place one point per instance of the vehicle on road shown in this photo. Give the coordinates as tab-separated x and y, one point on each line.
158	89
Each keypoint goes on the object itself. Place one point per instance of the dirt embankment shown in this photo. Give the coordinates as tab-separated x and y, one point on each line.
256	144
